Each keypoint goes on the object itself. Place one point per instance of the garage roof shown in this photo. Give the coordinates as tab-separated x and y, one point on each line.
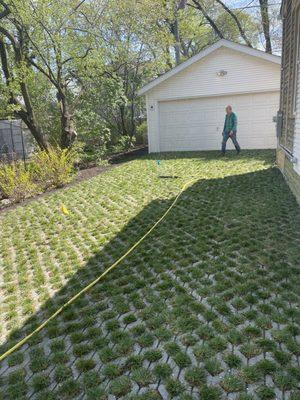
221	43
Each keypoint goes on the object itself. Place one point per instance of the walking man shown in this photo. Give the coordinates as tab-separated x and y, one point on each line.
230	128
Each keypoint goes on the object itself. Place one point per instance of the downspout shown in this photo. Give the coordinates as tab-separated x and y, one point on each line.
290	156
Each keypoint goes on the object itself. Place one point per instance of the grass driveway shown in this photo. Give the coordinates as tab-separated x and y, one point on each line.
207	307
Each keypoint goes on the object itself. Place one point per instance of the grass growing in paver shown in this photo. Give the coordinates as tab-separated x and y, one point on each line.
209	301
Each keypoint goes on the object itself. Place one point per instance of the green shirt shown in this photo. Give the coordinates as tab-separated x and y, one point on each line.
230	123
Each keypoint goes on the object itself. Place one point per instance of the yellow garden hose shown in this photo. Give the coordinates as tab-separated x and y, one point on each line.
93	283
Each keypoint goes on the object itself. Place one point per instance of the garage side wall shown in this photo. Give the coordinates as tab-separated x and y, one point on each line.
153	124
244	74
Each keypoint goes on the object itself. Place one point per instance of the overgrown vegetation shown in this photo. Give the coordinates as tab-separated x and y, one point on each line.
206	307
72	70
16	182
53	168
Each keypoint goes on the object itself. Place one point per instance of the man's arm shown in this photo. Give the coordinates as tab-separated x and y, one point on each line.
234	128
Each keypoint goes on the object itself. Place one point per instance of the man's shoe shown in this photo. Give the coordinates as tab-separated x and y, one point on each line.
238	151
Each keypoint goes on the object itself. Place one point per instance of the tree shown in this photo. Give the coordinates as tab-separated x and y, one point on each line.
58	46
135	54
198	4
231	31
264	11
15	70
237	22
75	66
196	33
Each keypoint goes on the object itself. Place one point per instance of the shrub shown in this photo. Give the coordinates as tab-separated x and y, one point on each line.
125	142
95	146
141	133
54	168
16	182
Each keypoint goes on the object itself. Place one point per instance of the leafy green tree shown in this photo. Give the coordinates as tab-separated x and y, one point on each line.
73	68
54	40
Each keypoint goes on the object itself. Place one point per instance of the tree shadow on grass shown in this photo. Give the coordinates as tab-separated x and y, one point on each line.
227	241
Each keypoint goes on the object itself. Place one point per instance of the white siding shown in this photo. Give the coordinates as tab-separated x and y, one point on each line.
297	127
245	74
197	124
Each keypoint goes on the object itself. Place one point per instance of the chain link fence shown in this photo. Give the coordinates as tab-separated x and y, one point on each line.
14	141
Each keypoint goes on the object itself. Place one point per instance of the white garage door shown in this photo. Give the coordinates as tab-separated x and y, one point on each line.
197	124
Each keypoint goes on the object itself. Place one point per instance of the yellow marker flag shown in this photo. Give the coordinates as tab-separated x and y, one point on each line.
64	209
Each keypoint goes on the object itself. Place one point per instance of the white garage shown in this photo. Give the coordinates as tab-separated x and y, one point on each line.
186	106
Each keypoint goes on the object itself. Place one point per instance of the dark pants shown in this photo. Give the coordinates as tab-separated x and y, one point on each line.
234	141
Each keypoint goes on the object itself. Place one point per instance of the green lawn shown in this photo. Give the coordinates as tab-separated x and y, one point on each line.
205	308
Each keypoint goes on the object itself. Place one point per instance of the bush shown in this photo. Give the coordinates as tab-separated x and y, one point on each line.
141	133
54	168
124	143
16	182
95	147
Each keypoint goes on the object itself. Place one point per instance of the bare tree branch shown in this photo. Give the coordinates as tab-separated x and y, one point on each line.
199	7
234	17
44	72
78	57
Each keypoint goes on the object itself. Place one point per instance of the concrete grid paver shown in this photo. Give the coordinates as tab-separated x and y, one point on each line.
217	281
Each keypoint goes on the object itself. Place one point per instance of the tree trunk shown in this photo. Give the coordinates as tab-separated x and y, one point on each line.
168	58
34	128
123	123
68	132
132	112
26	114
175	33
264	11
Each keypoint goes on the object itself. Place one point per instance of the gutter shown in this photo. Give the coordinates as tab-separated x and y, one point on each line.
288	154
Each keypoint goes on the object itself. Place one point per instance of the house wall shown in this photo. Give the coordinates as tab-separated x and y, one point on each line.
296	148
289	172
290	97
288	75
245	74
